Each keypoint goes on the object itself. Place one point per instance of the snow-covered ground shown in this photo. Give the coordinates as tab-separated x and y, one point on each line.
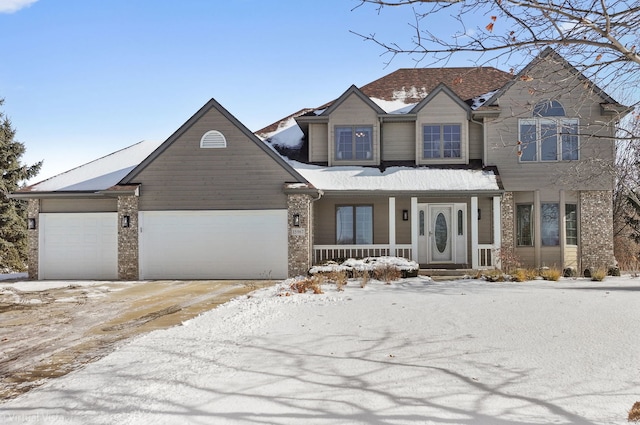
413	352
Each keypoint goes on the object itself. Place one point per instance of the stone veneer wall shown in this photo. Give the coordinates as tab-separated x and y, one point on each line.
596	229
507	219
128	238
300	243
33	211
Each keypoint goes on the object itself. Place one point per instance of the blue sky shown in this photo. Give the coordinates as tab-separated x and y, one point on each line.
83	78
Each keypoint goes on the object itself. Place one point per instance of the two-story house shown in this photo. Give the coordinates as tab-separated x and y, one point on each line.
450	167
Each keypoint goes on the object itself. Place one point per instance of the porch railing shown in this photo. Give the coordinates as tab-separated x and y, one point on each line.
323	253
487	256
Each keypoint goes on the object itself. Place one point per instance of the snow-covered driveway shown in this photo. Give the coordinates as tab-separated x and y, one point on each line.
414	352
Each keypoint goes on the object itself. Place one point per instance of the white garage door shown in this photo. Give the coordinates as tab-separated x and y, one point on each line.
78	246
213	244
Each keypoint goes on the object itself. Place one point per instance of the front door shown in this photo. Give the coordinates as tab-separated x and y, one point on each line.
441	233
440	226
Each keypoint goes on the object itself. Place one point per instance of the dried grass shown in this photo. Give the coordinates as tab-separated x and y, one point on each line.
313	283
363	275
387	273
340	278
552	274
634	413
599	274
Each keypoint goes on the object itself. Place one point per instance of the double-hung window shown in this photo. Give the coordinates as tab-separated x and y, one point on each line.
354	143
549	135
354	224
441	141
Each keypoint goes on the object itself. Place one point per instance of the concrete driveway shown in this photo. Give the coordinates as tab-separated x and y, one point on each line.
49	333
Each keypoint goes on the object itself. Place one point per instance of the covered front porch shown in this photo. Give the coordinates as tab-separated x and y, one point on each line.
435	231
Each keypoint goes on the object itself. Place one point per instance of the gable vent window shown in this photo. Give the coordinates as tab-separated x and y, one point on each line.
213	139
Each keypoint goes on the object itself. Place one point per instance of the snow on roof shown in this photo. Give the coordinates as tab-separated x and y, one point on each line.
397	106
397	178
287	135
479	101
100	174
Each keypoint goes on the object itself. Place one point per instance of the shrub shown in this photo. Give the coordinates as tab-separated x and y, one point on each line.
634	413
551	274
523	275
387	273
520	275
337	277
313	283
363	275
493	275
598	274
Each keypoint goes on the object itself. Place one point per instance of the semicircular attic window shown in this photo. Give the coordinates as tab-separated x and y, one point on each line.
213	139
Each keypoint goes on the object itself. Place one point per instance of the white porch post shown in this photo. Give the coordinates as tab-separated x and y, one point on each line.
414	229
497	230
474	232
392	226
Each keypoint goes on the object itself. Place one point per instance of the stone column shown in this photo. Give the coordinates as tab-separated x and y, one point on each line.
128	238
33	236
596	229
507	219
300	233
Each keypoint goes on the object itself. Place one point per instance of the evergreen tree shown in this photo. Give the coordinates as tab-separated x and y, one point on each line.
13	229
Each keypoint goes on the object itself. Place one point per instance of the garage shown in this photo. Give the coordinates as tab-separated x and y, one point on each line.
228	244
78	246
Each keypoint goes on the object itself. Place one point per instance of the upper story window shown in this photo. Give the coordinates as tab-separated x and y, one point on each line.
354	143
548	135
441	141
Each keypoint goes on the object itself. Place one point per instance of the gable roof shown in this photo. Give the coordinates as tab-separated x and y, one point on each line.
100	174
441	88
550	54
353	90
114	172
211	104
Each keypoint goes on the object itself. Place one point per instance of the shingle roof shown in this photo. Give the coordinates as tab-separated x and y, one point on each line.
416	83
411	85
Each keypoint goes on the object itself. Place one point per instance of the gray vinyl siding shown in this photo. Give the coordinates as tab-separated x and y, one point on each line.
398	141
318	139
595	152
485	224
353	111
325	218
187	177
55	205
476	141
403	228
